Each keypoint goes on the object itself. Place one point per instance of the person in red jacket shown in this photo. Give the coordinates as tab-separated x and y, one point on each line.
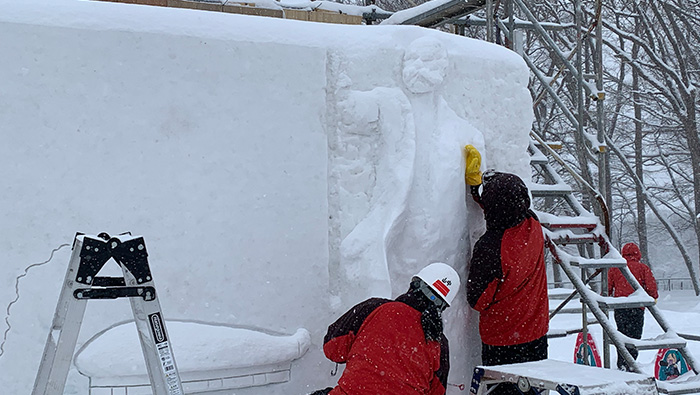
395	347
507	281
630	322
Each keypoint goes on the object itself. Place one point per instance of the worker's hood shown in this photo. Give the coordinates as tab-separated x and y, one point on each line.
631	252
505	200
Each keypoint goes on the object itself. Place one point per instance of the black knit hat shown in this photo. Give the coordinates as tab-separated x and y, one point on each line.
505	199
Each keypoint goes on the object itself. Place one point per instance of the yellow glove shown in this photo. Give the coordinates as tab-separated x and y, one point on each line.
472	174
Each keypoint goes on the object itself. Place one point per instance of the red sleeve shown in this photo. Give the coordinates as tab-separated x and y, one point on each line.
650	283
341	333
436	387
611	280
338	348
438	384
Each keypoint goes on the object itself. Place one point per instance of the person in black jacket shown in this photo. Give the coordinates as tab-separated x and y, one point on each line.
507	280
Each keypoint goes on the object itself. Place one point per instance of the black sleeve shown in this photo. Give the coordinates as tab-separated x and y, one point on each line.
444	361
474	189
485	265
352	320
531	214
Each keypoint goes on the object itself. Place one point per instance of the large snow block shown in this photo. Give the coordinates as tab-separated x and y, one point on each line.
279	171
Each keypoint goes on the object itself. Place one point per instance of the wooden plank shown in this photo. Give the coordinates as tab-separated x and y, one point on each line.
299	15
160	3
334	17
196	5
239	9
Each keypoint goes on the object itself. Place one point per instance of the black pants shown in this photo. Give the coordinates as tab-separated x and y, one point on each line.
630	322
535	350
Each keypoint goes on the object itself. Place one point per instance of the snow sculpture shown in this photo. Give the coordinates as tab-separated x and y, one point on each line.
397	167
433	224
378	151
399	160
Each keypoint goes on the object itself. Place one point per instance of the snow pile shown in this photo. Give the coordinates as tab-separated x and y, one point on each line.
279	171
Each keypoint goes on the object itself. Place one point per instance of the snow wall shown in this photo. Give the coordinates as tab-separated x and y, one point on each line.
279	171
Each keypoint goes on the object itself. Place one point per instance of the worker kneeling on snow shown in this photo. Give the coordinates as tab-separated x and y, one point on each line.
395	347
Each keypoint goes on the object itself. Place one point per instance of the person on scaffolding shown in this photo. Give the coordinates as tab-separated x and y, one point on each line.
630	322
395	347
507	281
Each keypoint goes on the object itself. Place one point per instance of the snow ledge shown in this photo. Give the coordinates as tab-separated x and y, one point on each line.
209	357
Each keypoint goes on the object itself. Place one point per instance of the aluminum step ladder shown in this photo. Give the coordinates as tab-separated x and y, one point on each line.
90	253
571	233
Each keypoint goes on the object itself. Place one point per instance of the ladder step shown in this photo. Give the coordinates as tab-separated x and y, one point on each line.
550	144
598	263
676	388
657	344
575	239
550	190
613	303
555	333
559	222
565	225
689	336
559	293
538	159
568	310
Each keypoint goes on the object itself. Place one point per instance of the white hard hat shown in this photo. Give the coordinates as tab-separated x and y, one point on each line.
442	279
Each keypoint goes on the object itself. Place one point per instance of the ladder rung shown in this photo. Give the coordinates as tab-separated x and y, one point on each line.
598	263
689	336
567	310
577	239
547	190
676	388
538	160
554	333
551	144
560	293
109	282
565	225
624	303
654	344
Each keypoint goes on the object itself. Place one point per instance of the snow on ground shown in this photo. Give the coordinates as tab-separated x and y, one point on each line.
279	171
680	308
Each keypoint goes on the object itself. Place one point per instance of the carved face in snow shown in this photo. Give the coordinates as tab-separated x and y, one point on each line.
424	65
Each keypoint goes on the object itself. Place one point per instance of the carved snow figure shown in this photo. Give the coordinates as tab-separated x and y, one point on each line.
406	177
